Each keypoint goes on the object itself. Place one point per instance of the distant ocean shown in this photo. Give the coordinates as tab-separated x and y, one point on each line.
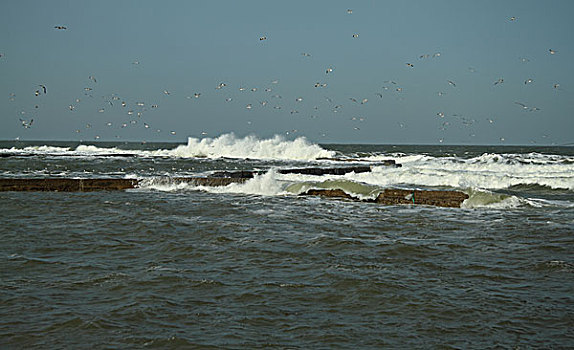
255	265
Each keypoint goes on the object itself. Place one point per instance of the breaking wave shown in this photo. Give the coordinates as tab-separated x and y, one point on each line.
249	147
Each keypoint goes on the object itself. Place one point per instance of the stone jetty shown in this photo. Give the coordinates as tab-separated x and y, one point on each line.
224	178
449	199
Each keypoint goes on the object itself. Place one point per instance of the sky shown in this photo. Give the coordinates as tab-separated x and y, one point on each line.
380	72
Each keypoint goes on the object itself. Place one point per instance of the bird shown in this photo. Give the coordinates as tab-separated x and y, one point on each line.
166	92
26	124
306	54
451	83
349	11
329	70
552	52
43	88
355	35
410	65
556	86
528	81
92	78
262	38
61	27
522	105
513	18
197	94
499	81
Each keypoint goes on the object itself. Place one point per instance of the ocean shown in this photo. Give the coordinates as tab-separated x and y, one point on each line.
255	265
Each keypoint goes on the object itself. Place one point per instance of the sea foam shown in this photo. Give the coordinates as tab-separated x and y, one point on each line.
230	146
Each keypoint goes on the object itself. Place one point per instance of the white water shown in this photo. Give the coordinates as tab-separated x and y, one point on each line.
229	146
488	171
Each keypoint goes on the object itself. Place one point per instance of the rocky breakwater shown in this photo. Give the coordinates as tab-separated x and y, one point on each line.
449	199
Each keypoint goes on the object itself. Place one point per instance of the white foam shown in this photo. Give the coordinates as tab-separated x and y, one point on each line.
265	184
488	171
229	146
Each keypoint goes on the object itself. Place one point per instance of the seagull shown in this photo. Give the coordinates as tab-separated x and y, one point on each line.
513	18
263	38
43	88
363	101
92	78
410	65
451	83
379	94
355	35
552	52
556	86
499	81
197	94
522	105
61	27
329	70
528	81
299	99
166	92
349	11
306	54
26	124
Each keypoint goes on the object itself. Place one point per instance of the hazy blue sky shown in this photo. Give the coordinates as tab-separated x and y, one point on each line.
161	53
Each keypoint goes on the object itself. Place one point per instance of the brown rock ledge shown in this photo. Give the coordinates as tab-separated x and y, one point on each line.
450	199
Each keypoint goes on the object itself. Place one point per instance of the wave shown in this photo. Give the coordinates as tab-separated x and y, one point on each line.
272	183
488	171
249	147
224	146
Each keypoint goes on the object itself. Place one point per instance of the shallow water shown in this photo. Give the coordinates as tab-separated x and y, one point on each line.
259	267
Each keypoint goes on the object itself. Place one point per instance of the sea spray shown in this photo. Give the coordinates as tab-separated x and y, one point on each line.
229	146
265	184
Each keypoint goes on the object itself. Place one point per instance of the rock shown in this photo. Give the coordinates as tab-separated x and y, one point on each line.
326	171
304	171
211	181
66	185
335	193
452	199
88	185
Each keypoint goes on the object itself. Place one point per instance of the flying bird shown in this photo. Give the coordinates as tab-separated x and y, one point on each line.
552	52
499	81
451	83
26	124
61	27
262	38
410	65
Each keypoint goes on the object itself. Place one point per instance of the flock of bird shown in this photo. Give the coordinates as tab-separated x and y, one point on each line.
133	112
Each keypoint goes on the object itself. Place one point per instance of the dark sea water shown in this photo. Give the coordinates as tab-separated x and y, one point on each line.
255	265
